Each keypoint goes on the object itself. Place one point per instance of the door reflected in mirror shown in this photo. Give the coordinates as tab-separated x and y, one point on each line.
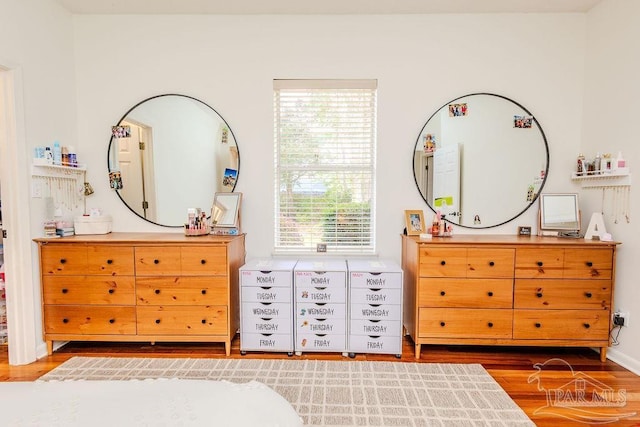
177	154
481	160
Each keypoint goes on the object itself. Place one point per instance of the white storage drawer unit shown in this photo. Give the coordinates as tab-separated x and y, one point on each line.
321	305
375	307
266	301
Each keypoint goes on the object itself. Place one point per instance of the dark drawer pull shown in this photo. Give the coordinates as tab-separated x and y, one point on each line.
204	321
443	262
538	325
204	292
65	320
490	293
63	261
156	261
589	264
490	324
539	294
587	326
157	321
157	291
112	321
588	294
203	261
109	261
540	263
442	324
65	290
111	291
443	293
491	263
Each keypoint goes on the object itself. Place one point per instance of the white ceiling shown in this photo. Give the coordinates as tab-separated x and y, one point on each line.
329	7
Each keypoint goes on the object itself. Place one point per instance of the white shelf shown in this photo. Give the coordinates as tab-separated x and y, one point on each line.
57	171
612	179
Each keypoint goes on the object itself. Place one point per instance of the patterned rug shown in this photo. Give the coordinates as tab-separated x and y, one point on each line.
337	393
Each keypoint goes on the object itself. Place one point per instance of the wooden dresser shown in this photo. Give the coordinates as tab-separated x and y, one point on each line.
508	290
140	287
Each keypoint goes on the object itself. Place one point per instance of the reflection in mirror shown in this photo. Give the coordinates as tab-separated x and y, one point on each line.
481	160
225	210
178	153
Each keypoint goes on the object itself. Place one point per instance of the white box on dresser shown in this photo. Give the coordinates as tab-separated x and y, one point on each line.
375	307
266	300
321	305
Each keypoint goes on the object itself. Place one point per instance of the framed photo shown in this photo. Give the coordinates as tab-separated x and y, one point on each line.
415	222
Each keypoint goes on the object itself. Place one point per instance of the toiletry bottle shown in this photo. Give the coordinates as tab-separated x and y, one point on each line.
64	155
73	161
620	162
580	165
57	154
435	225
48	155
441	225
598	163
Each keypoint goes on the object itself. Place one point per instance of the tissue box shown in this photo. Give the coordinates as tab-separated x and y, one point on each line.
92	224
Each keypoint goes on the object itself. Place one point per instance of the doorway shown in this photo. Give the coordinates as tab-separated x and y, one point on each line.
17	244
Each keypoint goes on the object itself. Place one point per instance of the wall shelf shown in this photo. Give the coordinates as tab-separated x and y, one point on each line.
602	180
57	171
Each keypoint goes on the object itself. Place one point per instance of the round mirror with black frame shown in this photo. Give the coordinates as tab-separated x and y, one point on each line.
481	160
169	153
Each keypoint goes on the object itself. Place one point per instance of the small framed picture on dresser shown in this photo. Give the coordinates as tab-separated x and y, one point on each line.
415	222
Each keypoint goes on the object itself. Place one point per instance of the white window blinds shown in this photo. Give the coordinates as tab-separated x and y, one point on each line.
325	139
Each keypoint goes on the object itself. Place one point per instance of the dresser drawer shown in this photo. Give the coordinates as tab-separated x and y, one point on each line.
539	263
465	323
322	326
166	290
266	294
158	261
110	260
179	320
471	293
89	320
376	312
88	290
321	295
266	342
443	262
561	324
200	261
490	263
588	263
266	278
320	342
63	259
384	328
275	325
375	280
326	279
563	294
321	311
376	296
266	310
375	344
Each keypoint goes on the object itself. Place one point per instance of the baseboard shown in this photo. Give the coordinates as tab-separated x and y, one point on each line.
623	360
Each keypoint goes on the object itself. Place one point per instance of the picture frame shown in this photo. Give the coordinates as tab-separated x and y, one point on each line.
414	220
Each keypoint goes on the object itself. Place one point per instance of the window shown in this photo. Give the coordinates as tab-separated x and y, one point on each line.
325	139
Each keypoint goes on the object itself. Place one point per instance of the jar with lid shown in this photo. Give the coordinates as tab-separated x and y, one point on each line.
580	169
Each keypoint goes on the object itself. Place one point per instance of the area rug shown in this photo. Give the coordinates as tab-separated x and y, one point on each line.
336	393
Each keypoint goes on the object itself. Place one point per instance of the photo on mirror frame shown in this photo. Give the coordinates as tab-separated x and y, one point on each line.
229	179
523	122
115	180
121	131
458	110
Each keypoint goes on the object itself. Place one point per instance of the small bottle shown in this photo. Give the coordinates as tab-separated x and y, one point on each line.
48	155
73	161
597	163
620	162
580	165
435	226
441	226
64	156
57	154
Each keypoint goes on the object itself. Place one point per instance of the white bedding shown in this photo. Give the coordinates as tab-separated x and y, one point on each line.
153	403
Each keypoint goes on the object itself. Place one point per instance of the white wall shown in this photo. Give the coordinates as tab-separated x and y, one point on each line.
420	62
36	43
612	86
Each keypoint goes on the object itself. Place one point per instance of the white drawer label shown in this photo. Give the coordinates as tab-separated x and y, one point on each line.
379	296
266	310
366	344
320	295
321	279
373	280
266	294
321	311
277	325
266	278
322	326
382	311
265	342
308	342
376	327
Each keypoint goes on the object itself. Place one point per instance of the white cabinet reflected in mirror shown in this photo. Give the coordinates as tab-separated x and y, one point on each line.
178	154
481	159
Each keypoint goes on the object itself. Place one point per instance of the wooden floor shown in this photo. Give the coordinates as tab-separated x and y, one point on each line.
510	366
